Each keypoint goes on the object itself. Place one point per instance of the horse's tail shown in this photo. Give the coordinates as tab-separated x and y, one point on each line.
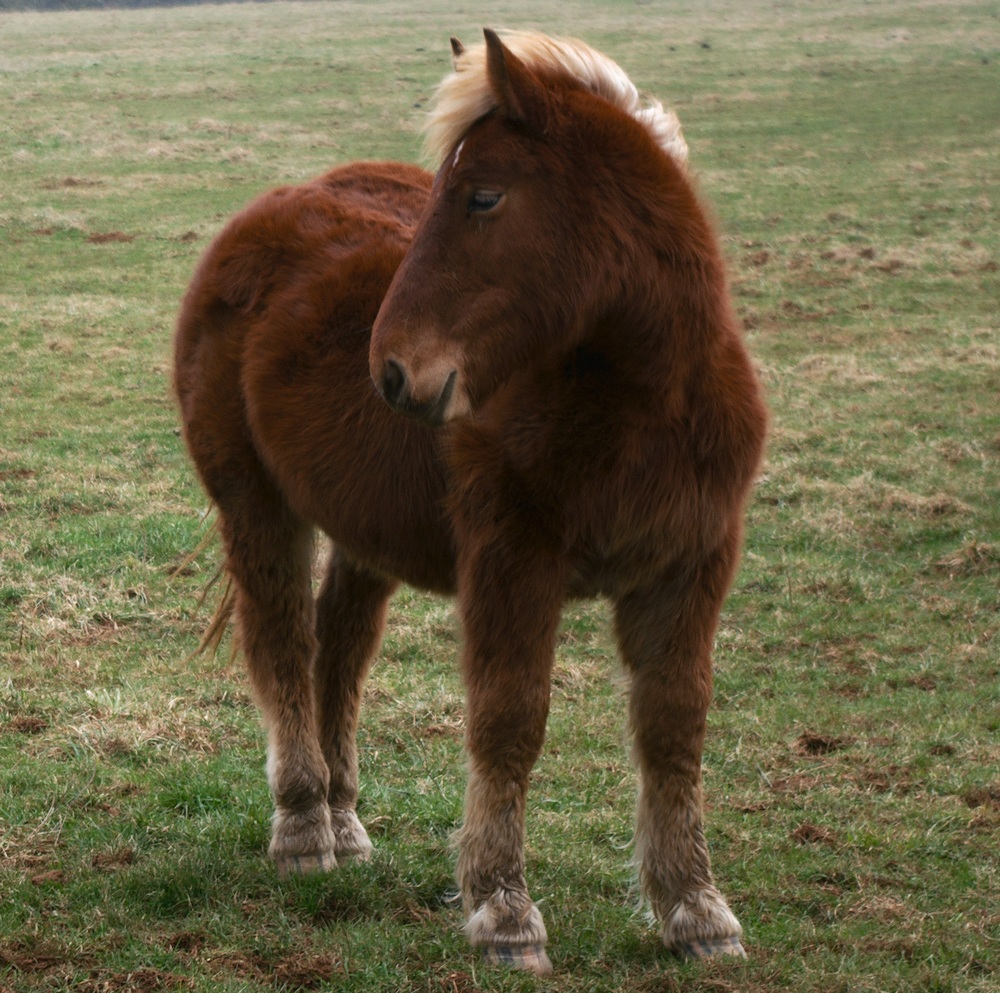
221	619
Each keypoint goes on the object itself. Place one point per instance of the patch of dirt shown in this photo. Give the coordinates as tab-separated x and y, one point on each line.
813	834
441	729
144	980
186	941
903	948
52	876
809	743
880	907
70	182
107	237
976	559
21	959
46	959
988	796
25	724
113	860
890	266
935	505
236	965
457	982
307	972
295	972
412	912
796	784
892	778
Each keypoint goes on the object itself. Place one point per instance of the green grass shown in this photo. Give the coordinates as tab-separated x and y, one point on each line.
853	765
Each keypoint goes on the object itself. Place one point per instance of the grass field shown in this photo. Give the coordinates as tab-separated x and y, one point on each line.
852	771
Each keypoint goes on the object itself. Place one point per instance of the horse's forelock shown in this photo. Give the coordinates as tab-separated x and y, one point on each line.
464	96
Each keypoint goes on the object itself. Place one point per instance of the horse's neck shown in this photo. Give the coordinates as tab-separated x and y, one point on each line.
660	338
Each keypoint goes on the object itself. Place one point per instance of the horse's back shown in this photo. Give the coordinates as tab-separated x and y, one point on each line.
272	366
370	207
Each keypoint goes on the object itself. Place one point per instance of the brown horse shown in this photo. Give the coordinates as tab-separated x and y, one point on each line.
550	310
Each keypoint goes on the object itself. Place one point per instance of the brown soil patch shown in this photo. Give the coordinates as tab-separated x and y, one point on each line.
186	941
458	982
25	724
307	971
113	860
109	236
52	876
819	744
977	559
985	797
813	834
442	729
144	980
796	784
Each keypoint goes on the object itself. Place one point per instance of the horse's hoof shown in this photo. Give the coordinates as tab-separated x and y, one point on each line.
712	948
304	865
353	843
530	958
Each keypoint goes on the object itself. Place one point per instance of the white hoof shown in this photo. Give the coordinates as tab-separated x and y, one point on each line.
702	926
304	865
303	842
713	948
528	958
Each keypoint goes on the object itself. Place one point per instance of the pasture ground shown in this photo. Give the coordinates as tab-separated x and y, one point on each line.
853	766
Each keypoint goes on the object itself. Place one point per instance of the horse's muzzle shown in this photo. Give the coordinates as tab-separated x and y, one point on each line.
397	390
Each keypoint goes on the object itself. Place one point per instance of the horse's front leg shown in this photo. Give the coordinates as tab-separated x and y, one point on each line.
510	599
665	632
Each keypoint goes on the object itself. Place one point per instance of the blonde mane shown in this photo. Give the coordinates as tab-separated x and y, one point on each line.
464	96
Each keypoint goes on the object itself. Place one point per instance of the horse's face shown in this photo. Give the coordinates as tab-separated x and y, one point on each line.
492	282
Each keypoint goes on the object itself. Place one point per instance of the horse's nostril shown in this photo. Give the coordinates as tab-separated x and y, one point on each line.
393	382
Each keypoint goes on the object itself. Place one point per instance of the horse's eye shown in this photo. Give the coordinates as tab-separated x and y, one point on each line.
482	201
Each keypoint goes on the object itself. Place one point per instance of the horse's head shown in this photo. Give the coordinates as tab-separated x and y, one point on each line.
525	237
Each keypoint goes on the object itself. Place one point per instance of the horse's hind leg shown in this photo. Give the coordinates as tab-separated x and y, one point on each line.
269	557
665	632
350	618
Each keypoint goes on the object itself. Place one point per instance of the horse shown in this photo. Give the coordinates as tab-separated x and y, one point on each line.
518	381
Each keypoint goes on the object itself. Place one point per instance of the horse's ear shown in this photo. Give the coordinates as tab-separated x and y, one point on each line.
457	51
515	89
